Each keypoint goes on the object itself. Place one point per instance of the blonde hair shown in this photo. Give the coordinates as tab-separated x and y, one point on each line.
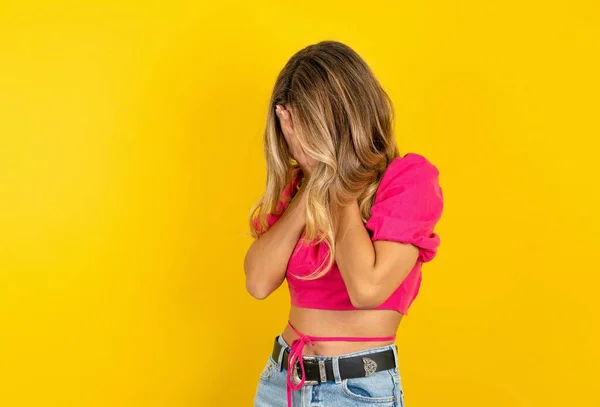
344	120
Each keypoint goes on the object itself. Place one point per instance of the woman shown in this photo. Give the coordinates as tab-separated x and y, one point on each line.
348	222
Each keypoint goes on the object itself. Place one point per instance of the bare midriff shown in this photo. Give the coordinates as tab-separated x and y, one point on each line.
355	323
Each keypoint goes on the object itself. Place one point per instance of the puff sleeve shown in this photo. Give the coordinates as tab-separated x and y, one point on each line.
408	204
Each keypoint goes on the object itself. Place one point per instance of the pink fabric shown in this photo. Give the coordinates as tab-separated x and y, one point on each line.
297	348
408	204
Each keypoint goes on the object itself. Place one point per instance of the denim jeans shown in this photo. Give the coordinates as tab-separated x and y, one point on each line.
383	388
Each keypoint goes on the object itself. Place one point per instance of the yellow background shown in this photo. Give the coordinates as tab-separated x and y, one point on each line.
131	153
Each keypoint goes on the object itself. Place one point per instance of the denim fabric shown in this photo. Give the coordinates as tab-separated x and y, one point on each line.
383	389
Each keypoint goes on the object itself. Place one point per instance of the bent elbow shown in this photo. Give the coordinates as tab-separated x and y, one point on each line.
261	282
261	288
254	288
258	291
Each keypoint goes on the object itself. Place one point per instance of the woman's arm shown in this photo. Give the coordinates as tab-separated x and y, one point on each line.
267	258
371	270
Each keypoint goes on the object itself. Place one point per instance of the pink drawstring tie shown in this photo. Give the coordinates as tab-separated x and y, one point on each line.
296	355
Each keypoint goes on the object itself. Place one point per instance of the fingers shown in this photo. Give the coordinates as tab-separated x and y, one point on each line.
281	112
285	118
287	128
284	128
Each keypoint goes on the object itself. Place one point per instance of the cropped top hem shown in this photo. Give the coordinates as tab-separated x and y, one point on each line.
325	307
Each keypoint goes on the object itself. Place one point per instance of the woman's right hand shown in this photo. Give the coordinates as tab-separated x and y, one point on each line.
306	163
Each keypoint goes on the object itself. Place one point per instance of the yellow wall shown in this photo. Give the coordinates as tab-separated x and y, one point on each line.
131	152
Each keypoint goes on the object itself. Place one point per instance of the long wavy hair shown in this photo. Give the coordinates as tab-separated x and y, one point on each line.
344	120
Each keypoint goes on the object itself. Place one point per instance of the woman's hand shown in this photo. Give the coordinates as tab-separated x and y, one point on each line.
307	164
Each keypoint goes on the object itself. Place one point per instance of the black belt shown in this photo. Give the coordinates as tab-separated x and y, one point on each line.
319	371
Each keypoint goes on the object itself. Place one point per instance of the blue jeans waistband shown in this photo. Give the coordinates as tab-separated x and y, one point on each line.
285	345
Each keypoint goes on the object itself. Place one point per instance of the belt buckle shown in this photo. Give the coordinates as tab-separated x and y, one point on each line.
296	376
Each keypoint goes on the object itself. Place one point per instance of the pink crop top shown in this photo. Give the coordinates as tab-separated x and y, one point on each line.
408	204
